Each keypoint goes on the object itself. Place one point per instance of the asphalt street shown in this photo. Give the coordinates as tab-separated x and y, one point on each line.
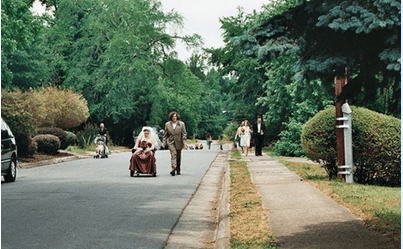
94	203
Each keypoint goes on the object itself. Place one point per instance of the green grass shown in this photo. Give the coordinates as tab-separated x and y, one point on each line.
235	154
381	202
78	150
236	244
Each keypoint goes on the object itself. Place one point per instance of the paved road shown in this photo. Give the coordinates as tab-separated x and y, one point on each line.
93	203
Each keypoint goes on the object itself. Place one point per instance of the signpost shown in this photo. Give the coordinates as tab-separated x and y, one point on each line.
343	132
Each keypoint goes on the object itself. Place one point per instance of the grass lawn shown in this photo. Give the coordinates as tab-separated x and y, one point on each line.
249	224
379	207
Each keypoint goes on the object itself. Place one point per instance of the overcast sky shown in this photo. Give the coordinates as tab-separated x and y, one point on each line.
201	17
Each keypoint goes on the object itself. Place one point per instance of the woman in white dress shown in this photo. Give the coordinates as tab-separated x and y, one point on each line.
238	134
245	138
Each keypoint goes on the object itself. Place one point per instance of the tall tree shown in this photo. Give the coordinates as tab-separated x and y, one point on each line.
246	72
113	52
21	56
363	36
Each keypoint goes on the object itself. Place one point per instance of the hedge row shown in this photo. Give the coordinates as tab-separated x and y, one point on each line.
376	145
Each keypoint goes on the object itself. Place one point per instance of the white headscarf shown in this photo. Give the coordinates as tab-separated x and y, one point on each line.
153	134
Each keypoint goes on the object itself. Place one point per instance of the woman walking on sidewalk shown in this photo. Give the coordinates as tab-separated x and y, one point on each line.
245	139
238	135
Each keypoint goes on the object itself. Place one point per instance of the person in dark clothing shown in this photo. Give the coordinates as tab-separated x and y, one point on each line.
102	131
258	134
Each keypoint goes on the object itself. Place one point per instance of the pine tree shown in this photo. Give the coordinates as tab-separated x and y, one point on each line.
362	36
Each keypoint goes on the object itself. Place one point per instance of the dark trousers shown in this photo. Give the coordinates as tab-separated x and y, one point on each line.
258	144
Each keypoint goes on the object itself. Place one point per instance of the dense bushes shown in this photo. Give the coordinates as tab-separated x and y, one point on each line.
376	145
48	144
290	140
25	111
60	133
87	135
64	108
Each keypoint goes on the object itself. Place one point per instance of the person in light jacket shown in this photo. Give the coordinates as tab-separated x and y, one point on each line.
175	136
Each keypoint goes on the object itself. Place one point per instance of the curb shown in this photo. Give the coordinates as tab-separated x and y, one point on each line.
50	161
223	224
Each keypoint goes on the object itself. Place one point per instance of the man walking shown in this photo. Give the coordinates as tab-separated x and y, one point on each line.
258	134
175	135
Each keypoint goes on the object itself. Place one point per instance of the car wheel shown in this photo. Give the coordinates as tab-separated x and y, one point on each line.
11	172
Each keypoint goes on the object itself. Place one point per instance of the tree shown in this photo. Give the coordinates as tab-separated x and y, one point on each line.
246	73
22	61
363	36
113	52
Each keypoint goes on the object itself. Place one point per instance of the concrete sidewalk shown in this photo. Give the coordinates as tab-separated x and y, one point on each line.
204	222
301	216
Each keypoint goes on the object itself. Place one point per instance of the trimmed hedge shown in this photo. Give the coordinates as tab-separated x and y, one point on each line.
60	133
48	144
376	145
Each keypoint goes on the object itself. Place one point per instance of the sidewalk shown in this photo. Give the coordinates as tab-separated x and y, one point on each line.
301	216
204	222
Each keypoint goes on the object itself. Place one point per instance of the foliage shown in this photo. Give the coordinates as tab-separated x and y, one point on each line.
230	130
290	140
23	112
213	112
290	101
85	137
60	133
363	36
246	75
115	54
48	144
63	108
71	138
21	58
376	145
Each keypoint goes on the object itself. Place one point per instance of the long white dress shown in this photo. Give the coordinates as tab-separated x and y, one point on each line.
245	138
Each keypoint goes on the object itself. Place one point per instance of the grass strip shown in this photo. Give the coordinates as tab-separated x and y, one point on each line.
249	224
378	206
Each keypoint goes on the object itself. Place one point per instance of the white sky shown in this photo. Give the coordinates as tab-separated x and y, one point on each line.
201	17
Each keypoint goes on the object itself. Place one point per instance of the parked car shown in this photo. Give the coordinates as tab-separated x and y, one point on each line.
8	153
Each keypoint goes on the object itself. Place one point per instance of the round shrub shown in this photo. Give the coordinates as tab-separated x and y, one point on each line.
48	144
376	145
60	133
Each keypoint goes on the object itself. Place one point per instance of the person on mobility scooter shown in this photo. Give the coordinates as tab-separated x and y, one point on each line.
143	157
101	148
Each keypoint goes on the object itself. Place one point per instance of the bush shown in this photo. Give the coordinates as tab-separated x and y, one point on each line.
48	144
25	111
376	145
65	108
86	137
60	133
18	112
71	138
290	140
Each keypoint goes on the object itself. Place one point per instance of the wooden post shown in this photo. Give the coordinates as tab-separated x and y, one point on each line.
340	82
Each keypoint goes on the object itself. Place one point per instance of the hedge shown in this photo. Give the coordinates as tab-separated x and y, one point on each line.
48	144
376	145
60	133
